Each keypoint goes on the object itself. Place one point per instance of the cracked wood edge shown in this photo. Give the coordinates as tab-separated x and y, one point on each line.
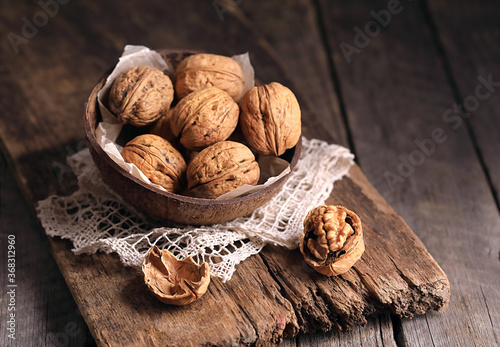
396	274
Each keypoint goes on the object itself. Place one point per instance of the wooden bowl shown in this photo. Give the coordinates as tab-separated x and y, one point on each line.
168	206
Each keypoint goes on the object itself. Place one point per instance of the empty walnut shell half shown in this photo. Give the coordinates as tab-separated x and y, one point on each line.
201	71
157	159
173	281
270	119
140	95
221	168
332	240
204	117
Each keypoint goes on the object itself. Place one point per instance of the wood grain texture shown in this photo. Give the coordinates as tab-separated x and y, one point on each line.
396	93
43	305
270	295
308	72
468	33
377	332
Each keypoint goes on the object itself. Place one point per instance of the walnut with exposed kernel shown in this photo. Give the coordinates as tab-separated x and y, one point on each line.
157	159
173	281
270	119
201	71
332	240
221	168
204	117
140	95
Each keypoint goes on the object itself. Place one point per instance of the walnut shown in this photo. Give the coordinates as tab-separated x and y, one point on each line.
221	168
270	119
157	159
173	281
162	126
140	95
200	71
332	240
204	117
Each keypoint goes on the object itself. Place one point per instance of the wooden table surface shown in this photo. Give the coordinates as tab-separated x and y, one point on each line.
411	87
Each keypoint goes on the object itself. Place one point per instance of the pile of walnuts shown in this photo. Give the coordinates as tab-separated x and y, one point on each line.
191	146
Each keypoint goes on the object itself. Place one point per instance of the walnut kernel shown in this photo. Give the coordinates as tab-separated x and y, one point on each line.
332	240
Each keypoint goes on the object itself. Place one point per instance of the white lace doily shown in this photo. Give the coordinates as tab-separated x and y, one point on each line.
95	218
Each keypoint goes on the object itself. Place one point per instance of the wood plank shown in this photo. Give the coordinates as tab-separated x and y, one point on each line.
269	295
373	334
469	32
44	310
386	279
395	93
51	124
104	289
295	43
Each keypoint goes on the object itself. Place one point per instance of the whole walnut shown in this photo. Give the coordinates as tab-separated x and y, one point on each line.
204	117
206	70
270	119
162	126
221	168
332	240
157	159
140	95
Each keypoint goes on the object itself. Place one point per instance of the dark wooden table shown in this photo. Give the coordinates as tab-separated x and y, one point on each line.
411	87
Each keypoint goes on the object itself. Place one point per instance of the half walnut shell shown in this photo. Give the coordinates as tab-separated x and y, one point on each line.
332	240
173	281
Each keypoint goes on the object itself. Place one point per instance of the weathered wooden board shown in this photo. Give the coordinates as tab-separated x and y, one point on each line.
397	93
271	294
43	305
469	33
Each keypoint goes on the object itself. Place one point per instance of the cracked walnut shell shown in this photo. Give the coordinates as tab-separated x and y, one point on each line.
204	117
140	95
157	159
221	168
201	71
332	240
270	119
173	281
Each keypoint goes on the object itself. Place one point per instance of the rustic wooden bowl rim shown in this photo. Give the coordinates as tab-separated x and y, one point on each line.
90	133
